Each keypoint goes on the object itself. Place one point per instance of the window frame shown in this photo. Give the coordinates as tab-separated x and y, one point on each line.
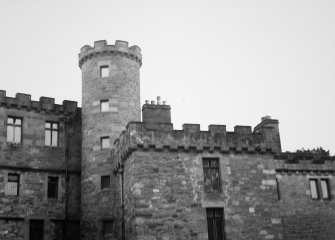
52	130
103	182
14	126
17	182
101	103
101	142
104	67
53	193
318	188
213	221
210	168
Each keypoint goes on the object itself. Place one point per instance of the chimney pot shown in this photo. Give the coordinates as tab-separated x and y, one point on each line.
146	101
152	102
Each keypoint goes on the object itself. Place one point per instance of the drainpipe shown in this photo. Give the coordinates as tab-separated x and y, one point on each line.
66	121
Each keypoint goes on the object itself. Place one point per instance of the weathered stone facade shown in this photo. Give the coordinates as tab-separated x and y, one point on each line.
122	178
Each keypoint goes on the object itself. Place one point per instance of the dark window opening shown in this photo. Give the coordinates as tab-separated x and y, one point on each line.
36	229
14	129
105	182
107	229
215	223
211	175
53	187
51	134
13	184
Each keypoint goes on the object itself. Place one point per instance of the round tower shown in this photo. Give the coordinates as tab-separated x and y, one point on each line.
110	99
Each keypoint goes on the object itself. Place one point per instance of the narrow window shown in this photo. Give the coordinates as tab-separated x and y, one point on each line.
215	223
325	188
51	134
211	175
36	229
107	229
105	182
104	142
314	188
13	183
14	129
104	105
278	191
104	71
53	187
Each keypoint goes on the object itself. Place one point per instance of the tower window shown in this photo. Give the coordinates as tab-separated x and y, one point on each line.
105	182
14	129
104	142
104	71
104	105
53	187
319	188
13	184
36	229
51	134
215	223
211	175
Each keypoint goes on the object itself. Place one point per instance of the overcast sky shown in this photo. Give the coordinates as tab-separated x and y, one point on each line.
215	62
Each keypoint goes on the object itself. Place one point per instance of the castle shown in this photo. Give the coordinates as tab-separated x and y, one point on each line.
99	172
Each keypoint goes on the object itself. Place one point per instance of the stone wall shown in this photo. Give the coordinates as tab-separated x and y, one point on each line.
165	196
34	163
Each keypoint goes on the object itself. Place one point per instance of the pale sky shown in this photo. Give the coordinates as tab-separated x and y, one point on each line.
215	62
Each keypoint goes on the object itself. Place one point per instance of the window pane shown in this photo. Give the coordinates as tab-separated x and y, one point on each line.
13	178
52	187
104	106
47	137
47	125
105	142
314	191
324	187
55	126
104	71
54	138
17	134
214	163
18	121
206	162
215	179
105	182
10	133
10	120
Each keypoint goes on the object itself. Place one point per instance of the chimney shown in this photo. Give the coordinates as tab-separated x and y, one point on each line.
270	129
156	113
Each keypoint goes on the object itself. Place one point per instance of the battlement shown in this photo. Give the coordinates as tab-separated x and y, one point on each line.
23	101
101	47
140	135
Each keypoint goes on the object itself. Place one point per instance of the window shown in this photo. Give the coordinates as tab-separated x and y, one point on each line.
104	142
36	229
51	134
215	223
104	71
211	175
14	129
107	229
319	188
105	182
13	183
53	187
104	105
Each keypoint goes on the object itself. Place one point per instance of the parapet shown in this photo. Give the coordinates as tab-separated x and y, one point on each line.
163	137
101	47
309	162
23	101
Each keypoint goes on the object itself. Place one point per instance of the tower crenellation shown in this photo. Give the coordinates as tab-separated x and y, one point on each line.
101	47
